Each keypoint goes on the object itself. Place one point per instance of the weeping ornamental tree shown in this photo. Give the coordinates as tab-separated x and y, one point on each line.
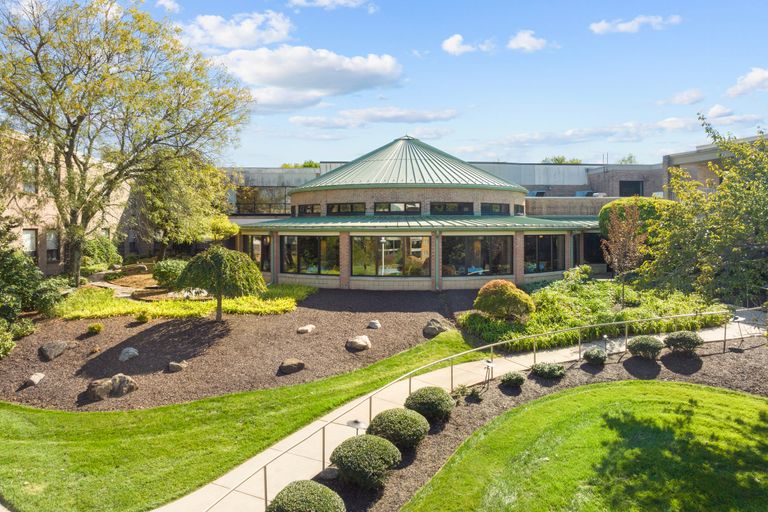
223	273
98	89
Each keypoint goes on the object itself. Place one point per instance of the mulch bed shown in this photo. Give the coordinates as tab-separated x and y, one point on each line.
739	369
241	354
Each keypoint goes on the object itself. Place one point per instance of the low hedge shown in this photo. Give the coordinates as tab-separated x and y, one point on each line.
548	370
595	355
306	496
402	427
685	342
432	402
512	379
365	460
647	347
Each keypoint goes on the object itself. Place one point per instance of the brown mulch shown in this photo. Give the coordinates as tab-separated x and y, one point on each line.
135	281
743	367
242	353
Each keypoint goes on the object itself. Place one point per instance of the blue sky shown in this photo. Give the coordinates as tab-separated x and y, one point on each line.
485	80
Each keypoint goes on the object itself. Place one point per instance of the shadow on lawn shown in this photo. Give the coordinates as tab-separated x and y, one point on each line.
659	464
159	344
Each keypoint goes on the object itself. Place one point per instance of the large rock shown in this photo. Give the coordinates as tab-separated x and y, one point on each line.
291	365
119	385
52	349
305	329
99	389
374	324
128	353
358	343
34	379
174	367
122	385
433	328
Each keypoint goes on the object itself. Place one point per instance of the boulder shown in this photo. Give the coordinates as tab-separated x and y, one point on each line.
174	366
122	385
34	379
433	328
99	389
358	343
52	349
291	365
374	324
128	353
305	329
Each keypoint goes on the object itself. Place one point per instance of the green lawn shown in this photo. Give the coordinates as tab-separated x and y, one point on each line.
137	460
629	446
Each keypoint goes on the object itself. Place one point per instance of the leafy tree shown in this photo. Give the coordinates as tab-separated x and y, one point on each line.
649	208
629	159
16	205
97	89
223	273
102	251
714	239
307	163
221	228
623	247
560	159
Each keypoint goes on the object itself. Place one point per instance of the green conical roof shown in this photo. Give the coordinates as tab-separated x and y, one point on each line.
408	163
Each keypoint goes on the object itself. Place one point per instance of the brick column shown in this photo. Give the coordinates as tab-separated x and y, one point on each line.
518	256
275	250
568	250
345	260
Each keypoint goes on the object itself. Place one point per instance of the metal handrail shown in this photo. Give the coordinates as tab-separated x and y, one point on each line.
490	346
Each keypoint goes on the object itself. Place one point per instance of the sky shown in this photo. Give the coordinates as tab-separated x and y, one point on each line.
484	80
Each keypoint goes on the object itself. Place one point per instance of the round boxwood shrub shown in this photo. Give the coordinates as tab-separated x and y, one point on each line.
683	341
595	355
548	370
512	379
365	460
432	402
402	427
647	347
167	272
503	300
306	496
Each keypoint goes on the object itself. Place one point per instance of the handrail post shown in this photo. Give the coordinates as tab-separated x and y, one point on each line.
323	443
409	385
534	350
266	498
725	335
370	409
626	337
579	359
451	375
491	354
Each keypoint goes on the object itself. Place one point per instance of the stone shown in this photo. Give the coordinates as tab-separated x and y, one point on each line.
433	328
306	329
174	367
52	349
374	324
358	343
34	379
291	365
115	266
99	389
128	353
122	385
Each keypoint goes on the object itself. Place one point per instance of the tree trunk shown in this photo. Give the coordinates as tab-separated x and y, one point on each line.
218	307
76	257
163	251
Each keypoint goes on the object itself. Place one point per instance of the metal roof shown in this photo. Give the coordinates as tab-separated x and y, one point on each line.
408	163
426	223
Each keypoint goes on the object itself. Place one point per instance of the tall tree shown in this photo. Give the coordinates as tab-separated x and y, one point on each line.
560	159
623	247
98	89
18	197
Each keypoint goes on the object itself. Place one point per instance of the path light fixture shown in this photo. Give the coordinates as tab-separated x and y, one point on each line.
357	425
605	343
489	366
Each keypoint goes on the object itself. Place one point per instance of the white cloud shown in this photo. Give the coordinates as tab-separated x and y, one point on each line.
241	31
455	45
687	97
356	118
525	41
634	25
719	111
169	5
755	80
419	54
333	4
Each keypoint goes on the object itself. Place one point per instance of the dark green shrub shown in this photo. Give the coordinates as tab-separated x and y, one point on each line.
6	343
595	355
683	341
365	460
19	277
548	370
306	496
167	272
647	347
48	294
21	327
402	427
10	307
432	402
95	328
100	249
512	379
475	395
501	299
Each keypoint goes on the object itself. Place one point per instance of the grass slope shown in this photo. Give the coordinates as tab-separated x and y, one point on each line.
630	446
137	460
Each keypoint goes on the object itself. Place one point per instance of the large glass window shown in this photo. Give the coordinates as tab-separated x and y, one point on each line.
262	200
544	253
630	188
340	209
309	210
52	246
258	248
519	209
397	208
477	255
494	208
390	256
451	209
310	255
593	251
29	242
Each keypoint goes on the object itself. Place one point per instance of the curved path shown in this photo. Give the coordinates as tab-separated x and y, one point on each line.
305	453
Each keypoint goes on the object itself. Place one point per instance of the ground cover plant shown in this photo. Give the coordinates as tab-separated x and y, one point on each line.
89	451
577	301
632	445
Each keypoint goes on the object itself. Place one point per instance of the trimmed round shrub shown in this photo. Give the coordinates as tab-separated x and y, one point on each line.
647	347
548	370
512	379
595	355
402	427
167	272
432	402
683	341
95	328
306	496
6	343
365	460
503	300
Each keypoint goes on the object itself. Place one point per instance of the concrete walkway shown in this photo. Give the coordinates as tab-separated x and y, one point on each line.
305	453
121	292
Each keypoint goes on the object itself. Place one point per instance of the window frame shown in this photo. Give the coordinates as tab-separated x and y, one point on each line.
406	249
315	210
52	255
462	208
409	208
246	243
555	253
485	209
355	208
31	254
632	183
484	254
318	241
